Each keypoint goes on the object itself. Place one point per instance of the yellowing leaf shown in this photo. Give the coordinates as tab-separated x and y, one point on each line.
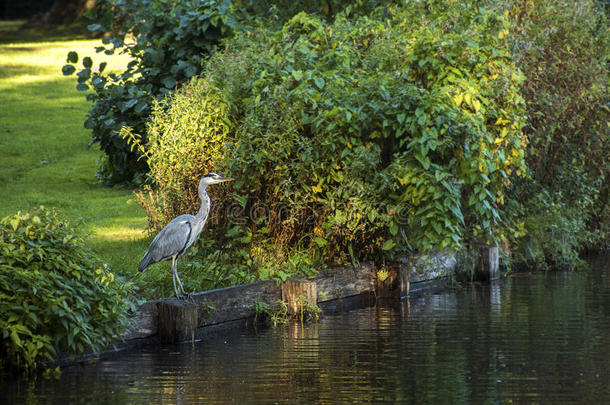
477	105
458	99
316	189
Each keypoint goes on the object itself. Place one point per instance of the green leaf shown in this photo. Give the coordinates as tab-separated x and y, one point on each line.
318	81
68	70
348	115
437	227
84	75
425	162
95	27
87	62
388	244
297	74
321	242
141	106
72	57
169	82
15	338
422	120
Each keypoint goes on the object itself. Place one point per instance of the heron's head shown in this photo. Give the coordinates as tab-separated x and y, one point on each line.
212	178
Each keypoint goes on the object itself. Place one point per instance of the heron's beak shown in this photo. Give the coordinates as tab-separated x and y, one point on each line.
225	179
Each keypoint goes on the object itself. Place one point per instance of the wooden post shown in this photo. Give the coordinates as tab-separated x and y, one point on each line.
293	289
405	285
486	267
494	262
178	320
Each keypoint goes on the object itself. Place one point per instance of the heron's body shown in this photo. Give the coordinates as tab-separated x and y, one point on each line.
181	232
175	238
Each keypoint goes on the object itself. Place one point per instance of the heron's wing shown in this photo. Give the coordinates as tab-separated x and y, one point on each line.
172	240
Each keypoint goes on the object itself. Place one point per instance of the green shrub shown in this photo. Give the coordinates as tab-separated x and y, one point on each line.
168	41
562	48
563	51
186	136
278	12
552	233
354	139
55	295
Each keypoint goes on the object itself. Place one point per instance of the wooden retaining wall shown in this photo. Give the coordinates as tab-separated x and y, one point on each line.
338	289
179	319
174	320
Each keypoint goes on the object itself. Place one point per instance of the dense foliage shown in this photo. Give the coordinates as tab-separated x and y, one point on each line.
168	42
55	295
363	130
562	206
389	133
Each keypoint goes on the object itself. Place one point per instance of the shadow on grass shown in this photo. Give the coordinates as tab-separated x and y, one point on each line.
21	31
8	71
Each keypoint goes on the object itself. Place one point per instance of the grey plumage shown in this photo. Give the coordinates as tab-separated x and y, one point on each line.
181	232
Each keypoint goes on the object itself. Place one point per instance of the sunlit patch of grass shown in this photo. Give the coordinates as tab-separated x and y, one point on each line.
120	233
44	153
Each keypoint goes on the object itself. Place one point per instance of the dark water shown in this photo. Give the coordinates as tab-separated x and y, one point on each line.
541	338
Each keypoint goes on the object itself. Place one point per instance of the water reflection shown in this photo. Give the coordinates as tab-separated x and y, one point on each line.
542	338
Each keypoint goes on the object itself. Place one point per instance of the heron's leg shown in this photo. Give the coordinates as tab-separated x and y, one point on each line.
180	282
174	274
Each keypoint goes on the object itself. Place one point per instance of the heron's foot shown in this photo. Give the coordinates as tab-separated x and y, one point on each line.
184	296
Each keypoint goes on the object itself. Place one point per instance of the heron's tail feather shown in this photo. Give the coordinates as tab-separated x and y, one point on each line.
145	262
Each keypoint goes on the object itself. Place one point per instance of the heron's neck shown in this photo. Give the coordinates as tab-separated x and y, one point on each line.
204	209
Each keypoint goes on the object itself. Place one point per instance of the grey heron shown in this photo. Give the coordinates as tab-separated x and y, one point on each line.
181	232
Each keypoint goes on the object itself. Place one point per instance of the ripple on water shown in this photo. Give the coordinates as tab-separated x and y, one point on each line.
540	338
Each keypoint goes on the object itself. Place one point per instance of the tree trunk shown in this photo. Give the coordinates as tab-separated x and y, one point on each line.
67	11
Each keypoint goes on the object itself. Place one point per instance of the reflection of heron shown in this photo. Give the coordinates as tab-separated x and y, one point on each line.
181	232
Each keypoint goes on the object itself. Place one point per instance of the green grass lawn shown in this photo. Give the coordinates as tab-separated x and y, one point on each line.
44	157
